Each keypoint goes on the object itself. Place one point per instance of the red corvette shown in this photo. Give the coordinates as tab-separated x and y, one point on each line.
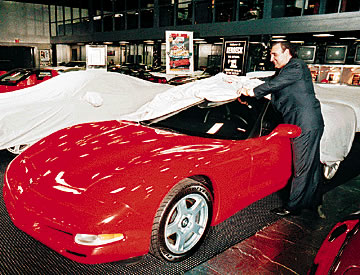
22	78
179	62
339	253
108	191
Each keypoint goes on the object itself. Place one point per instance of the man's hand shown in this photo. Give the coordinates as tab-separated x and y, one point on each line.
246	92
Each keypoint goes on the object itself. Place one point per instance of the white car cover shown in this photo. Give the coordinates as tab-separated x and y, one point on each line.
32	113
339	112
348	95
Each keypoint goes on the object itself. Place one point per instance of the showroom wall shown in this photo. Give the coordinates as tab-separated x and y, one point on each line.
25	25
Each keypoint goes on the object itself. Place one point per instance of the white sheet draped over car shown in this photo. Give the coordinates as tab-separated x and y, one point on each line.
32	113
340	108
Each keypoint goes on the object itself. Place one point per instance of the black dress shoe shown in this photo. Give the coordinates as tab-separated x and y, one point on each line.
282	211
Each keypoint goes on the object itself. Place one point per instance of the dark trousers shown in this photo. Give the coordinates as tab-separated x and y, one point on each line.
306	184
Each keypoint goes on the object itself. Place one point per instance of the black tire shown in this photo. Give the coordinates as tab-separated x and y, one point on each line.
182	221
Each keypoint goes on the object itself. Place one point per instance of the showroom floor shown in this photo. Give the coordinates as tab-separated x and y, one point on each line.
251	242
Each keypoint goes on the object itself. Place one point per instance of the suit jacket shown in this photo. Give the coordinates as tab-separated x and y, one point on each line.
292	94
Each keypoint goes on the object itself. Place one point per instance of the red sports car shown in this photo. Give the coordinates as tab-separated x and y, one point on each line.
339	253
108	191
179	62
21	78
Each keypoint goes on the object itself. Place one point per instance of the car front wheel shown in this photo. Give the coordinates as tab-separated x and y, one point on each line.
18	149
181	221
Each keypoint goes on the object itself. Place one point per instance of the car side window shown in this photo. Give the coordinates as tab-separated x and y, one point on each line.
270	120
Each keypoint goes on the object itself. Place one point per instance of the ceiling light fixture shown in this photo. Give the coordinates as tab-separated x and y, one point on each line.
348	38
323	35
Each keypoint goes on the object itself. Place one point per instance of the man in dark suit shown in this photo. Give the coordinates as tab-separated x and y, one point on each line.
292	94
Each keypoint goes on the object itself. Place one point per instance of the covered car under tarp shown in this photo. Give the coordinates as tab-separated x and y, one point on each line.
32	113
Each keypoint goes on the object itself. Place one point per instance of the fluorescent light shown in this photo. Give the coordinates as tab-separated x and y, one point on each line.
348	38
97	17
123	42
278	36
108	43
118	15
323	35
200	42
218	43
278	40
198	39
297	42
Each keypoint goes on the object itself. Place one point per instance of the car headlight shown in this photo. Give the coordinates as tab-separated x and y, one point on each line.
90	239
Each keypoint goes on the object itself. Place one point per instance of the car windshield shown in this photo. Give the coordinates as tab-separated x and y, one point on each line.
238	119
13	76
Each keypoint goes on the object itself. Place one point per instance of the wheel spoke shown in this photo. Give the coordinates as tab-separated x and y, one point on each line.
197	207
172	228
182	208
180	242
197	229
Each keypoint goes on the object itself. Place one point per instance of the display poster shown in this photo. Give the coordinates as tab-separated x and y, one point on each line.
179	49
44	55
96	57
234	57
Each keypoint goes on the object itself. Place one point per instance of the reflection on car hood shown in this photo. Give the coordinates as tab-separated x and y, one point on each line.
82	155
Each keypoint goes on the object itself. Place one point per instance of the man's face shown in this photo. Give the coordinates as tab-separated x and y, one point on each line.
279	57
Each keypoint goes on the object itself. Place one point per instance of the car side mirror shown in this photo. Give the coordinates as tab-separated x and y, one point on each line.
286	130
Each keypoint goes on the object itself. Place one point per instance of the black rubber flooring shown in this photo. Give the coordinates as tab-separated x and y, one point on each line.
20	253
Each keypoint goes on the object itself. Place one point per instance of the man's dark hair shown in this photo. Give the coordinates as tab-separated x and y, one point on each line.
286	45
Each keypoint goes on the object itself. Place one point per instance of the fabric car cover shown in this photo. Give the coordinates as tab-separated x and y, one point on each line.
30	114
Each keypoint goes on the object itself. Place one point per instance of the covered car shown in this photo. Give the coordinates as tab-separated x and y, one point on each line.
21	78
339	253
30	114
107	191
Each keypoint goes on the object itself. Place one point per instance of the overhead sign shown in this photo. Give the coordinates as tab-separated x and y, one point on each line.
234	57
179	52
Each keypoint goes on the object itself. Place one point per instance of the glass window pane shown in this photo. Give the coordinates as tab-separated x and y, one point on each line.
76	13
225	10
52	13
53	29
59	13
119	21
108	22
203	11
132	19
350	5
332	6
184	13
147	18
67	13
312	7
251	9
166	17
84	13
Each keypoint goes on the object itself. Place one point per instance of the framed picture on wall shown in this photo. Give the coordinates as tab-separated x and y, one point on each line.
179	49
111	53
44	55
